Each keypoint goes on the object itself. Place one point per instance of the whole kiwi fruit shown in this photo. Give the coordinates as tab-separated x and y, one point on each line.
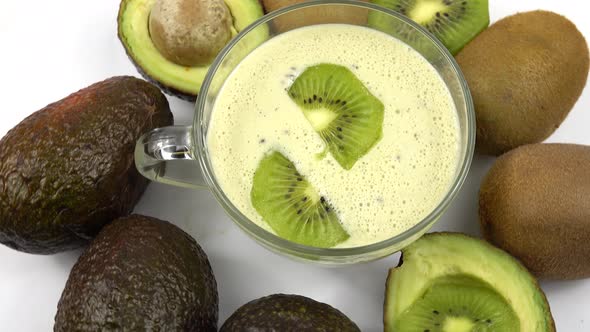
315	15
534	203
525	74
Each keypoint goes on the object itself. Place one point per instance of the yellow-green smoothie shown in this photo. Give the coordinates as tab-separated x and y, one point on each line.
391	188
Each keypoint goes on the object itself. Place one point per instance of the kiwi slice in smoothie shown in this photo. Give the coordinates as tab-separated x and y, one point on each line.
345	114
453	22
292	206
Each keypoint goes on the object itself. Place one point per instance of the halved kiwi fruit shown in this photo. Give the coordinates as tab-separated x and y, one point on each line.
292	206
449	282
345	114
453	22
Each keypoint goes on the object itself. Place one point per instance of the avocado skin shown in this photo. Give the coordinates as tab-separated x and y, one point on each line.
68	169
283	313
140	274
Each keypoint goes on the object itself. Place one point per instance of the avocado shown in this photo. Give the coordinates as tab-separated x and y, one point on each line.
174	78
68	169
453	282
534	204
140	274
284	313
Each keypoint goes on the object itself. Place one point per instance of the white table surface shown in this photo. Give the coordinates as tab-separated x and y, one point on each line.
49	49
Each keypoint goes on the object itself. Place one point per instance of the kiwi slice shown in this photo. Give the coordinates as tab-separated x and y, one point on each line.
341	109
453	22
292	206
459	303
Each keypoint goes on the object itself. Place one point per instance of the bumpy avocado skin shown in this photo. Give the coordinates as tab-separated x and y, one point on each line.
68	169
140	274
284	313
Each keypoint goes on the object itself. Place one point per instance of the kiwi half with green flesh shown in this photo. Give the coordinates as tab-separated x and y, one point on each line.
453	22
292	206
345	114
450	282
459	303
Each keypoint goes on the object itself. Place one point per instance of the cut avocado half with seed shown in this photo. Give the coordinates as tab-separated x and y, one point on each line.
175	79
449	282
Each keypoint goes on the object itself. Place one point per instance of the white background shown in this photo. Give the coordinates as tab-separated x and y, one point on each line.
49	49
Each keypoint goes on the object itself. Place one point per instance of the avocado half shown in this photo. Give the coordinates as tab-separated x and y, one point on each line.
177	80
443	278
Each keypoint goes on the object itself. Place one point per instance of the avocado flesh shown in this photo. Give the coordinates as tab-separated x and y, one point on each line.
181	81
440	256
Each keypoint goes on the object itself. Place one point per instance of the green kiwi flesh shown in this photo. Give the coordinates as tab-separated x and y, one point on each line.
345	114
450	282
453	22
292	206
459	303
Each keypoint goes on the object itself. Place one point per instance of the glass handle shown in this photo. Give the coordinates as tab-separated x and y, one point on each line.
166	155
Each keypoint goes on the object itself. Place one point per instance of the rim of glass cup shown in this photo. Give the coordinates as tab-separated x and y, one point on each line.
304	250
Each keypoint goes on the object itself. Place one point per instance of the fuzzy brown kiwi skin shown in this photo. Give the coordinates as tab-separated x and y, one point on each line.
314	15
534	204
536	69
549	318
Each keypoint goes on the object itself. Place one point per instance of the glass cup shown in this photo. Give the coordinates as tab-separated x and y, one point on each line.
178	155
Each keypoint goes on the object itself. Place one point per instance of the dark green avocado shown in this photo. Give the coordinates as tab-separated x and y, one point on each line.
68	169
284	313
140	274
175	79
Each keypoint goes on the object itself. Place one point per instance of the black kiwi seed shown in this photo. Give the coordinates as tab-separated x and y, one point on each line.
322	199
299	179
304	199
339	128
435	312
320	100
315	97
299	211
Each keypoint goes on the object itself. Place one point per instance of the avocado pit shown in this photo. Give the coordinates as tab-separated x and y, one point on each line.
190	32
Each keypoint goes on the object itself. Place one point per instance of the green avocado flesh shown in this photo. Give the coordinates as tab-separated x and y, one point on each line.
182	81
454	283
